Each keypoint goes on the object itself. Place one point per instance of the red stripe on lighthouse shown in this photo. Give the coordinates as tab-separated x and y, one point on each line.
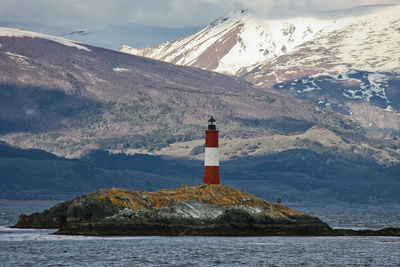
211	138
211	175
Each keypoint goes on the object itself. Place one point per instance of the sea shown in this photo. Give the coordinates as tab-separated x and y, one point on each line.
32	247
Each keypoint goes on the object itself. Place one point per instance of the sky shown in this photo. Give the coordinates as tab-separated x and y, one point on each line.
167	13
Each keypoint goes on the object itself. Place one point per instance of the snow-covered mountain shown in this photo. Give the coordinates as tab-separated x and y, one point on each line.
235	41
243	40
369	42
348	60
351	66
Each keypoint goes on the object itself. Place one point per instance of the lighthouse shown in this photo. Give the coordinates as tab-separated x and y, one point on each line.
211	161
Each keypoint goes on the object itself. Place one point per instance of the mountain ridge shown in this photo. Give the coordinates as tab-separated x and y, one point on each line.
256	39
84	97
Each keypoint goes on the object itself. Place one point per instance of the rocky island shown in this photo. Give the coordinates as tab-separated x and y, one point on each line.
206	210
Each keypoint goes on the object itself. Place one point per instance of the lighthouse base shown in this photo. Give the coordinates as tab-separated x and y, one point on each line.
211	175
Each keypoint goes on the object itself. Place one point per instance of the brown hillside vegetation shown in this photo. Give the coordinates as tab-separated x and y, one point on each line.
221	195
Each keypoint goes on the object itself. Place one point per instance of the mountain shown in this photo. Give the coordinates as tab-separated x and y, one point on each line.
114	119
68	98
241	39
352	66
347	61
233	42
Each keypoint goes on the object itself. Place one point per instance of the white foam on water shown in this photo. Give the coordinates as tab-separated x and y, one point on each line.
24	234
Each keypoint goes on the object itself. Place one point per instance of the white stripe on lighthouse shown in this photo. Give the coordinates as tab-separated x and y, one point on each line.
211	156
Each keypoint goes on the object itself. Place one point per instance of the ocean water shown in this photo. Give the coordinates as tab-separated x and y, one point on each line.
26	247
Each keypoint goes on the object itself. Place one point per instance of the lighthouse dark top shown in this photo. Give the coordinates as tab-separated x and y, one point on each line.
211	159
211	124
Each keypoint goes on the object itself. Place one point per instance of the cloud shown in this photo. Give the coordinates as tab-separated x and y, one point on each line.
169	13
283	8
83	13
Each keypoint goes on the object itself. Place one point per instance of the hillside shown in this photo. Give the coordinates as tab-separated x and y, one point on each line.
69	98
36	174
299	177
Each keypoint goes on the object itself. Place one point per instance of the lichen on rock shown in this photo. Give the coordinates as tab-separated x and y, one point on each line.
221	195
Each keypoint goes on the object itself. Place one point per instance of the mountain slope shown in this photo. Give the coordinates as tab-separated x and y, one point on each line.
68	100
352	67
36	174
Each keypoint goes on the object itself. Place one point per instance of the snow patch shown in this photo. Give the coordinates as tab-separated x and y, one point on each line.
118	69
129	50
373	85
389	108
10	32
19	59
15	55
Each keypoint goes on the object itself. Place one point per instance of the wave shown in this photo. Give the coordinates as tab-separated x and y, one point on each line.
17	234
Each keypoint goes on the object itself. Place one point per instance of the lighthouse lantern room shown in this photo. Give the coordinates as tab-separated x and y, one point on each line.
211	159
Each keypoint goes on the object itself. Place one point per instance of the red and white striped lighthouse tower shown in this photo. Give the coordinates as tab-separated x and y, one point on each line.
211	161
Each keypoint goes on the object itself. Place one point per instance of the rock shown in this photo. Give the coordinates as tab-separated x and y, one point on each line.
187	210
389	231
55	217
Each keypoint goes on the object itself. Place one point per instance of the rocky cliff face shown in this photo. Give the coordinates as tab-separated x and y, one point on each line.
196	210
